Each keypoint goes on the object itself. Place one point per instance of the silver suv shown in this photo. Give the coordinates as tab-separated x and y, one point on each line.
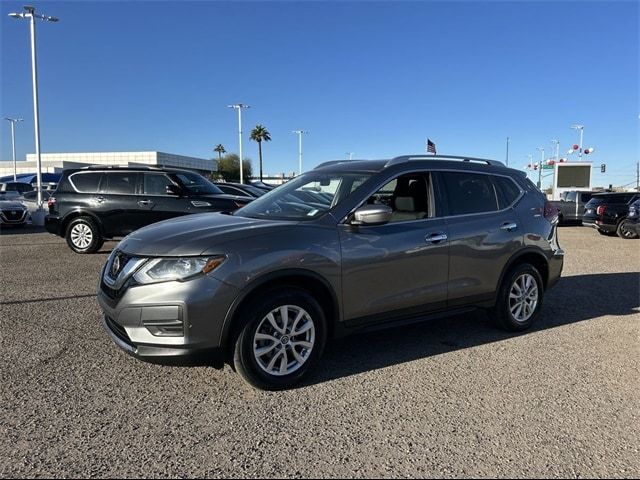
349	246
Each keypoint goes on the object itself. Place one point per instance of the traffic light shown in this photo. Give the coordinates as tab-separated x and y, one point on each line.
603	168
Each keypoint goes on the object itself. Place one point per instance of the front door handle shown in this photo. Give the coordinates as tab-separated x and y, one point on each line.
509	226
100	199
436	237
144	203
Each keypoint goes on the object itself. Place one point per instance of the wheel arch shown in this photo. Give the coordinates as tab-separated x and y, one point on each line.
535	257
312	282
69	217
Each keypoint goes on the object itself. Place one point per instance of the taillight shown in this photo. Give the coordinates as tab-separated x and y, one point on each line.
550	212
600	210
51	203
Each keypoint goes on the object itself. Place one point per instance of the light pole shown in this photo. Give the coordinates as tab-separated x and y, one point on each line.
540	167
350	155
581	128
30	13
13	122
508	140
239	107
557	144
300	133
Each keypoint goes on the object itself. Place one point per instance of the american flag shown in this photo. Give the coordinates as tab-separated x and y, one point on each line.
431	147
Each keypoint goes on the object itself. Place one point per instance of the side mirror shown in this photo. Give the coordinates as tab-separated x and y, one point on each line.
372	215
173	190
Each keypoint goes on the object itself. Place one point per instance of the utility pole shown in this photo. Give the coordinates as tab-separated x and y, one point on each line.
540	168
30	13
239	107
13	122
300	133
507	151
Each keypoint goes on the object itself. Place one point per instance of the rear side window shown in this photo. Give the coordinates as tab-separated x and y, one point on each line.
468	193
86	182
122	182
508	191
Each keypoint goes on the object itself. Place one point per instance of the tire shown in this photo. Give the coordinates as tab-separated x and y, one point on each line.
506	310
83	235
623	232
259	370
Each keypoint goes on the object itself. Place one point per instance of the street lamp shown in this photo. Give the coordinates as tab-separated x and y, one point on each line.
557	144
300	133
30	13
581	128
239	107
13	122
350	155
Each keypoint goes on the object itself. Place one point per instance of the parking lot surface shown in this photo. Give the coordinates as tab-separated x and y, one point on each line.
454	397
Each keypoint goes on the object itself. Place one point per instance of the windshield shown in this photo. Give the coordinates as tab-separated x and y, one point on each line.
305	197
195	184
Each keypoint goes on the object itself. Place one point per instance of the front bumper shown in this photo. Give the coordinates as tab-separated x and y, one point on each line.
12	216
174	321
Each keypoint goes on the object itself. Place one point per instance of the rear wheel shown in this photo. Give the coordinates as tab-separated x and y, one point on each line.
519	299
624	231
283	340
83	235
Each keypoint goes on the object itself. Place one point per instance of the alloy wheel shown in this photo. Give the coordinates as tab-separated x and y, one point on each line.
284	340
523	297
81	235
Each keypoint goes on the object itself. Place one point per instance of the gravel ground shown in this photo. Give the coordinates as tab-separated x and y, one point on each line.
447	398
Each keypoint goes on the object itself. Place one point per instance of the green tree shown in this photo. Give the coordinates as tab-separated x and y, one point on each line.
229	167
260	134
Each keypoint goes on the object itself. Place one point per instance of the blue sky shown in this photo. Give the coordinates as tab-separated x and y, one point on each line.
374	78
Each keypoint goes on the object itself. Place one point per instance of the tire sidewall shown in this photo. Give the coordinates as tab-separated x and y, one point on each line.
96	241
244	359
503	308
621	228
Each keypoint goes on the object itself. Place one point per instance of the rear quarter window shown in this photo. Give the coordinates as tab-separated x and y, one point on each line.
469	193
508	191
86	182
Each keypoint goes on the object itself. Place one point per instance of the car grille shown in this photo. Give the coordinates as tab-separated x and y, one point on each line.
13	215
112	293
123	259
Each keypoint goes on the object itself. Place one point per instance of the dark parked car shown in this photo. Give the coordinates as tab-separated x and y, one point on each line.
402	240
607	212
13	213
94	204
633	218
241	189
571	206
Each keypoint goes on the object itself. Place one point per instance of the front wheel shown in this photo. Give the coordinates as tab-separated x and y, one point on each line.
283	340
519	299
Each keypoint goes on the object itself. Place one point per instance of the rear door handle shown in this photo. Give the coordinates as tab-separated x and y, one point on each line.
100	199
436	237
144	203
509	226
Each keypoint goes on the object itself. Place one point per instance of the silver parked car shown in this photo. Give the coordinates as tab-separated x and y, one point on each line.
349	246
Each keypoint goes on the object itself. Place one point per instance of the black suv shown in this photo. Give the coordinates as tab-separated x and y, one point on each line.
93	204
607	213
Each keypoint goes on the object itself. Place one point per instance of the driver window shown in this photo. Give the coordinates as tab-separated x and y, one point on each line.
408	196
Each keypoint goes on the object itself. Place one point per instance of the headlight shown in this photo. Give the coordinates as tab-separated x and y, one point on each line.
167	269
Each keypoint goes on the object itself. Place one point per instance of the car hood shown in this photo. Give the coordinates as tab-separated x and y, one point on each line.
11	205
194	234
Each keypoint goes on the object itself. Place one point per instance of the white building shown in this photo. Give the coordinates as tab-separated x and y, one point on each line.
56	162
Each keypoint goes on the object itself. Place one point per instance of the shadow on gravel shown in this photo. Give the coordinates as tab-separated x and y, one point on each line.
8	231
573	299
51	299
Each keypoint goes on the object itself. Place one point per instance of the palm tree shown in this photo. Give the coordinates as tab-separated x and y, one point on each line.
220	150
260	134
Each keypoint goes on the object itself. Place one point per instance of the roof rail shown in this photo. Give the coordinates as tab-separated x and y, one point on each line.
332	162
107	167
409	158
